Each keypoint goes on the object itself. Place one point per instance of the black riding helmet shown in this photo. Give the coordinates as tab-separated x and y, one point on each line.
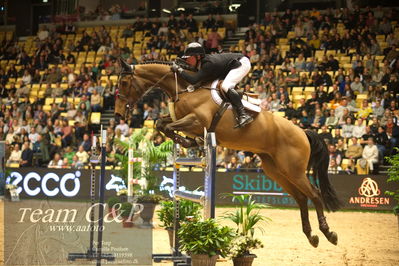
193	49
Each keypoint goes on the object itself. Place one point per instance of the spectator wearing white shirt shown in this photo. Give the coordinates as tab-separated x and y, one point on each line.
33	138
123	127
359	129
82	155
15	156
56	162
370	153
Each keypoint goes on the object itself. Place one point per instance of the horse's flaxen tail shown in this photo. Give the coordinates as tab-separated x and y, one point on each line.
319	160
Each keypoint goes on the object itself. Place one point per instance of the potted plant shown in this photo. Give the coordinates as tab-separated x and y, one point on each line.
186	209
149	202
112	202
204	241
247	218
126	214
393	176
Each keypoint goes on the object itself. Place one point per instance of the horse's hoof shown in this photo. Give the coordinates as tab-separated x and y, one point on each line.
333	238
314	241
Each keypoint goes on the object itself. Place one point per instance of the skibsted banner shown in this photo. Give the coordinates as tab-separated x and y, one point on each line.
355	191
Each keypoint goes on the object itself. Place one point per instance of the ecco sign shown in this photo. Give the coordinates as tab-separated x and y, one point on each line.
26	183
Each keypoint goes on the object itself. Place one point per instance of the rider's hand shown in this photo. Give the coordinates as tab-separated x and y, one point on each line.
176	68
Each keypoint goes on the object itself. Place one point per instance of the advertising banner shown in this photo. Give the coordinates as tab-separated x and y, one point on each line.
355	191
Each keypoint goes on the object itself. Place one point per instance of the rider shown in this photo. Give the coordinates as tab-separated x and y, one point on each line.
232	67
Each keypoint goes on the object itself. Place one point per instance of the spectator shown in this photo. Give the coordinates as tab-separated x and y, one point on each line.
359	129
326	135
95	101
82	155
347	128
370	154
332	120
354	151
86	143
382	142
56	162
334	154
233	164
15	156
26	156
123	127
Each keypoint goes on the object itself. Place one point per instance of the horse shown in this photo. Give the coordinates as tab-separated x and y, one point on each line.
287	152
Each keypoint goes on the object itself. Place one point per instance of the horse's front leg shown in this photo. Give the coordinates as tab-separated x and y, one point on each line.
168	127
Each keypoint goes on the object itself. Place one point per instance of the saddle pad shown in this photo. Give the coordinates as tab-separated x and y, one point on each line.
252	104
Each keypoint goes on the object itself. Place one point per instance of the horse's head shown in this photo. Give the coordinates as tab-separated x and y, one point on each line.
125	96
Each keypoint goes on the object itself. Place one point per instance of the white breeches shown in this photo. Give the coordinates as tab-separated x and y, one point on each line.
237	74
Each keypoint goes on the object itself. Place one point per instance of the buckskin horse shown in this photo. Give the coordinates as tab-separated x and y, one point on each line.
287	152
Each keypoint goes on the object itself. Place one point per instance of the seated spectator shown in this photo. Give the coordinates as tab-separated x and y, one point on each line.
34	139
357	86
382	142
333	167
359	129
22	91
248	163
15	156
365	110
347	128
123	127
82	155
26	156
332	120
86	143
370	153
233	164
354	150
76	164
293	78
334	154
95	101
69	154
318	119
56	162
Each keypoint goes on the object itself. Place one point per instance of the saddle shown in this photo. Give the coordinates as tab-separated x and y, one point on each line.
249	100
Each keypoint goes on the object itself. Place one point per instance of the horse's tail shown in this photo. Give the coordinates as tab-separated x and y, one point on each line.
319	160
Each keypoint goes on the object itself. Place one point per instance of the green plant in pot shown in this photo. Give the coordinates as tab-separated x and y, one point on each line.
112	205
393	176
247	218
204	241
186	209
126	212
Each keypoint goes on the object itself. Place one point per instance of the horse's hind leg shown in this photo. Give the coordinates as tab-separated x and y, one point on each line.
323	226
303	184
271	170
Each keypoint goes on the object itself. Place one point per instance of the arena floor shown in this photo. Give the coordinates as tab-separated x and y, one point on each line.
364	239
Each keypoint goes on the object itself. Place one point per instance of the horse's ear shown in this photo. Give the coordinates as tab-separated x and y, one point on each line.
125	66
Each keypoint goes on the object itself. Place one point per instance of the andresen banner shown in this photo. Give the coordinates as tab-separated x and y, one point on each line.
355	191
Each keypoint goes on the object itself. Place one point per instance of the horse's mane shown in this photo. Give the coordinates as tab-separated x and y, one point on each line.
178	61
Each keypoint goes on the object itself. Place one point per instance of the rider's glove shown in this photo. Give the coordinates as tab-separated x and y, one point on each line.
176	68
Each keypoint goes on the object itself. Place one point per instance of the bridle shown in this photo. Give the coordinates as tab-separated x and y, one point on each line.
130	104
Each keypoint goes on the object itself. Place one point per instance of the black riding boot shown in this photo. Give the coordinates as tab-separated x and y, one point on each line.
242	117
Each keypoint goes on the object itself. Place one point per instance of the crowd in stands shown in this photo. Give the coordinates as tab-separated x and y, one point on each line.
334	71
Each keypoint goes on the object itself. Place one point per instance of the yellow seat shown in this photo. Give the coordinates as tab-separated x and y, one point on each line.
71	122
49	101
58	100
46	108
95	118
149	123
